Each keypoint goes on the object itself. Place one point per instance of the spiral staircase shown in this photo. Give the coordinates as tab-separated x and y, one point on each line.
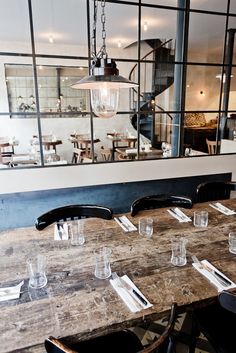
162	77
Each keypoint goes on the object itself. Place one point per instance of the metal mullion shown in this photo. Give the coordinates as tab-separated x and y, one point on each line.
35	79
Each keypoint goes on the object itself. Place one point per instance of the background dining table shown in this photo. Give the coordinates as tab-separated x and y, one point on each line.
76	305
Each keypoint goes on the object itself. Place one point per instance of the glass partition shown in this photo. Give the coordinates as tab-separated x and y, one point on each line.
182	96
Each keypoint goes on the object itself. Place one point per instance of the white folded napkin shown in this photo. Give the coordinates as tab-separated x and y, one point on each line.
9	293
211	277
182	215
125	224
128	299
131	227
221	208
179	215
61	231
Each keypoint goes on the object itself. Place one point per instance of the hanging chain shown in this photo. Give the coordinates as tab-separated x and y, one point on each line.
103	21
102	53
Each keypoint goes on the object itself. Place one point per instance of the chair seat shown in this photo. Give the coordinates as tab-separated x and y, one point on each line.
218	326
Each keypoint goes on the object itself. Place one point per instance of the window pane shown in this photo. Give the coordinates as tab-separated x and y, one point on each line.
209	5
17	133
206	38
203	88
14	27
60	27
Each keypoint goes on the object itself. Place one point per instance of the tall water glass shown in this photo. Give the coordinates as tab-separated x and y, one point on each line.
102	263
178	255
37	271
76	232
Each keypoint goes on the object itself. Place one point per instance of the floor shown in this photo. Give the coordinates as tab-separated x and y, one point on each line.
182	329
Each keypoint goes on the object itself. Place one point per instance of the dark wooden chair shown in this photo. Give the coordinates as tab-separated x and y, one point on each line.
214	190
72	212
124	341
217	322
158	201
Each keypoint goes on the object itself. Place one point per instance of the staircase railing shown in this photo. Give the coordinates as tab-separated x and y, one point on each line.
143	58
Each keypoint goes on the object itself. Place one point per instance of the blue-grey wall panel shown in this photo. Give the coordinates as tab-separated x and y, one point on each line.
21	209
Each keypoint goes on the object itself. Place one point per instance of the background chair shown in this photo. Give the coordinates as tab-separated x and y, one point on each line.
72	212
217	322
215	190
124	341
211	146
158	201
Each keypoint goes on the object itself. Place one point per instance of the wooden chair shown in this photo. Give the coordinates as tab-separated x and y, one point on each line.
106	154
217	322
214	190
77	155
72	212
123	341
211	146
158	201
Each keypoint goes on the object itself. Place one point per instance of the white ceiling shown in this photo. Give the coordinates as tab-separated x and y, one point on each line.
66	21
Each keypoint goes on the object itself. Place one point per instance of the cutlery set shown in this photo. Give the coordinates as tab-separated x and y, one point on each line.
123	284
178	214
219	207
125	224
222	280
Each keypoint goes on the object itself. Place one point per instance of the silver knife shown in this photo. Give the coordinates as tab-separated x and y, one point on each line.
129	288
221	279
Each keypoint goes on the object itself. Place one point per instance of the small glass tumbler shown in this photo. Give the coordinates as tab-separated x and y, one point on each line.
146	227
178	256
37	271
200	219
232	242
102	263
76	232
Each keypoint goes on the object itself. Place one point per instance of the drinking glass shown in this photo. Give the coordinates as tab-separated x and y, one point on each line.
76	232
200	219
146	227
102	262
178	256
37	271
232	242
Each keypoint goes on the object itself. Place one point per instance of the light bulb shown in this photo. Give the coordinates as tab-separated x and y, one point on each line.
145	26
105	100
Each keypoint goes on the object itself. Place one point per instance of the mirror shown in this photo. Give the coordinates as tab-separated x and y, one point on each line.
180	105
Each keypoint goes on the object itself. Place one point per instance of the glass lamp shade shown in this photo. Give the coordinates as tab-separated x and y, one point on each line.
104	84
104	100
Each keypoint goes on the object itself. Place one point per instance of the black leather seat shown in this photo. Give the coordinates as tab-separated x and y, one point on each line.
217	322
72	212
213	191
124	341
158	201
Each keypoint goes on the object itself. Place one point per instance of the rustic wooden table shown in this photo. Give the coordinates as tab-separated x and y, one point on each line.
76	305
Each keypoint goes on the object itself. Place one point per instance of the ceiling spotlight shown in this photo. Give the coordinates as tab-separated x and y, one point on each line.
51	39
104	80
119	44
145	26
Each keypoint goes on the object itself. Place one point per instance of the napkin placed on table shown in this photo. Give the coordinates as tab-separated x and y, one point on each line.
61	231
133	304
125	224
211	277
223	209
179	215
9	293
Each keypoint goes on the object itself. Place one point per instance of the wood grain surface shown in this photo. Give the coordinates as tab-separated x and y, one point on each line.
75	305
